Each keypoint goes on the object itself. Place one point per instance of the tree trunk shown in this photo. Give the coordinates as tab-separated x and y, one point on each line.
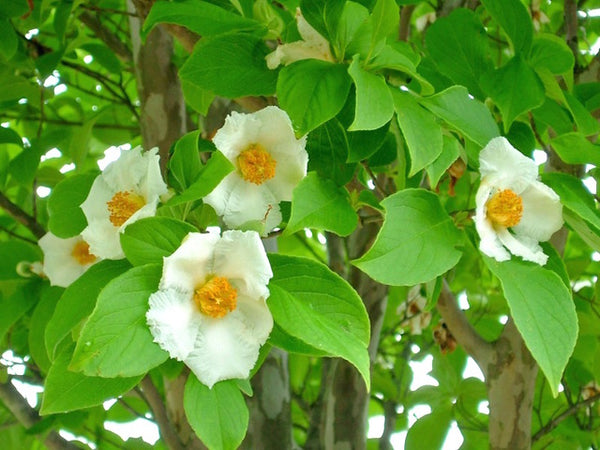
511	388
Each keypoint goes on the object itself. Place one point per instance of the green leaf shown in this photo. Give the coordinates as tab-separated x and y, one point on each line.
13	252
450	153
459	45
219	416
320	203
543	311
374	105
203	18
312	92
65	217
9	42
67	391
37	327
215	169
184	164
103	56
323	16
353	16
283	340
315	305
115	340
430	431
574	148
327	148
515	88
418	241
13	8
551	52
15	305
470	117
385	19
230	65
587	232
586	122
513	17
79	299
10	136
420	129
196	97
150	239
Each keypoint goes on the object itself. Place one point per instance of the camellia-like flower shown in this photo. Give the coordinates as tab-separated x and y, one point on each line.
65	260
514	211
269	162
312	46
210	310
127	190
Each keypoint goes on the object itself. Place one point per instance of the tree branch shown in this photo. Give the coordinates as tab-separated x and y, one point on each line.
75	123
159	412
21	216
480	349
405	16
28	416
571	25
111	40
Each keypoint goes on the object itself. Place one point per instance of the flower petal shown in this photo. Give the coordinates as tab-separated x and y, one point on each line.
241	258
489	244
103	238
508	166
60	266
228	348
191	263
95	206
238	132
174	322
523	246
542	213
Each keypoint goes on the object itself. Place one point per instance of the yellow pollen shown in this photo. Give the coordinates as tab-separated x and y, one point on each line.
505	208
81	253
256	164
123	205
216	298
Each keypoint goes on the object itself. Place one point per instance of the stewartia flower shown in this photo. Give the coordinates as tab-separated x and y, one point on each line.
210	310
65	260
269	162
127	190
513	209
312	46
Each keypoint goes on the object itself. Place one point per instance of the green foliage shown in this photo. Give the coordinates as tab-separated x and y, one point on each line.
65	217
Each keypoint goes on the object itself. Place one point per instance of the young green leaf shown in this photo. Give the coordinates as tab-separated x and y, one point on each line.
66	219
513	17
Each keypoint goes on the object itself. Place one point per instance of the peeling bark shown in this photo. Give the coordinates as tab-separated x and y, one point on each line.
270	406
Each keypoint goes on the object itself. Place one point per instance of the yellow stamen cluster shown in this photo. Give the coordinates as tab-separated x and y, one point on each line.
81	253
216	298
505	208
256	164
123	205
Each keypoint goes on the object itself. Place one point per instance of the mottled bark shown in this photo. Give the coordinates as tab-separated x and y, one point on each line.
270	427
511	388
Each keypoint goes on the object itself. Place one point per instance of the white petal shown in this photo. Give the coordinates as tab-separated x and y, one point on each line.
60	266
522	246
95	205
228	348
542	213
238	132
148	210
151	185
489	243
103	238
241	258
191	263
174	321
508	167
125	173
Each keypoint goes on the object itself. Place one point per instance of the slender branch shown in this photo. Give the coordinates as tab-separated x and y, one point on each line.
107	10
159	412
17	236
28	416
75	123
480	349
111	40
405	16
571	25
21	216
565	415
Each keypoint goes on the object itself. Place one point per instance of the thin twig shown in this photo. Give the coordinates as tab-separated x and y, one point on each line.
21	216
159	412
108	10
17	236
75	123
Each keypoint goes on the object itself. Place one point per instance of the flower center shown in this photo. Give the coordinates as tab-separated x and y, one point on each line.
216	297
81	253
123	205
256	164
505	208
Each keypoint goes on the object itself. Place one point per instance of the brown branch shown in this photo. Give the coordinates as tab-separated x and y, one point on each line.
571	25
481	350
75	123
17	236
108	10
28	416
155	401
111	40
405	16
21	216
564	415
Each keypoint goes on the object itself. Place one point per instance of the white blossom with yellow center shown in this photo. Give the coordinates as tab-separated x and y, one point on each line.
312	46
65	260
269	162
127	190
210	310
514	211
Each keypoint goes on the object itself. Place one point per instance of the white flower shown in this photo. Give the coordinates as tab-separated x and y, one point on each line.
312	46
413	310
210	310
65	260
513	209
127	190
269	162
